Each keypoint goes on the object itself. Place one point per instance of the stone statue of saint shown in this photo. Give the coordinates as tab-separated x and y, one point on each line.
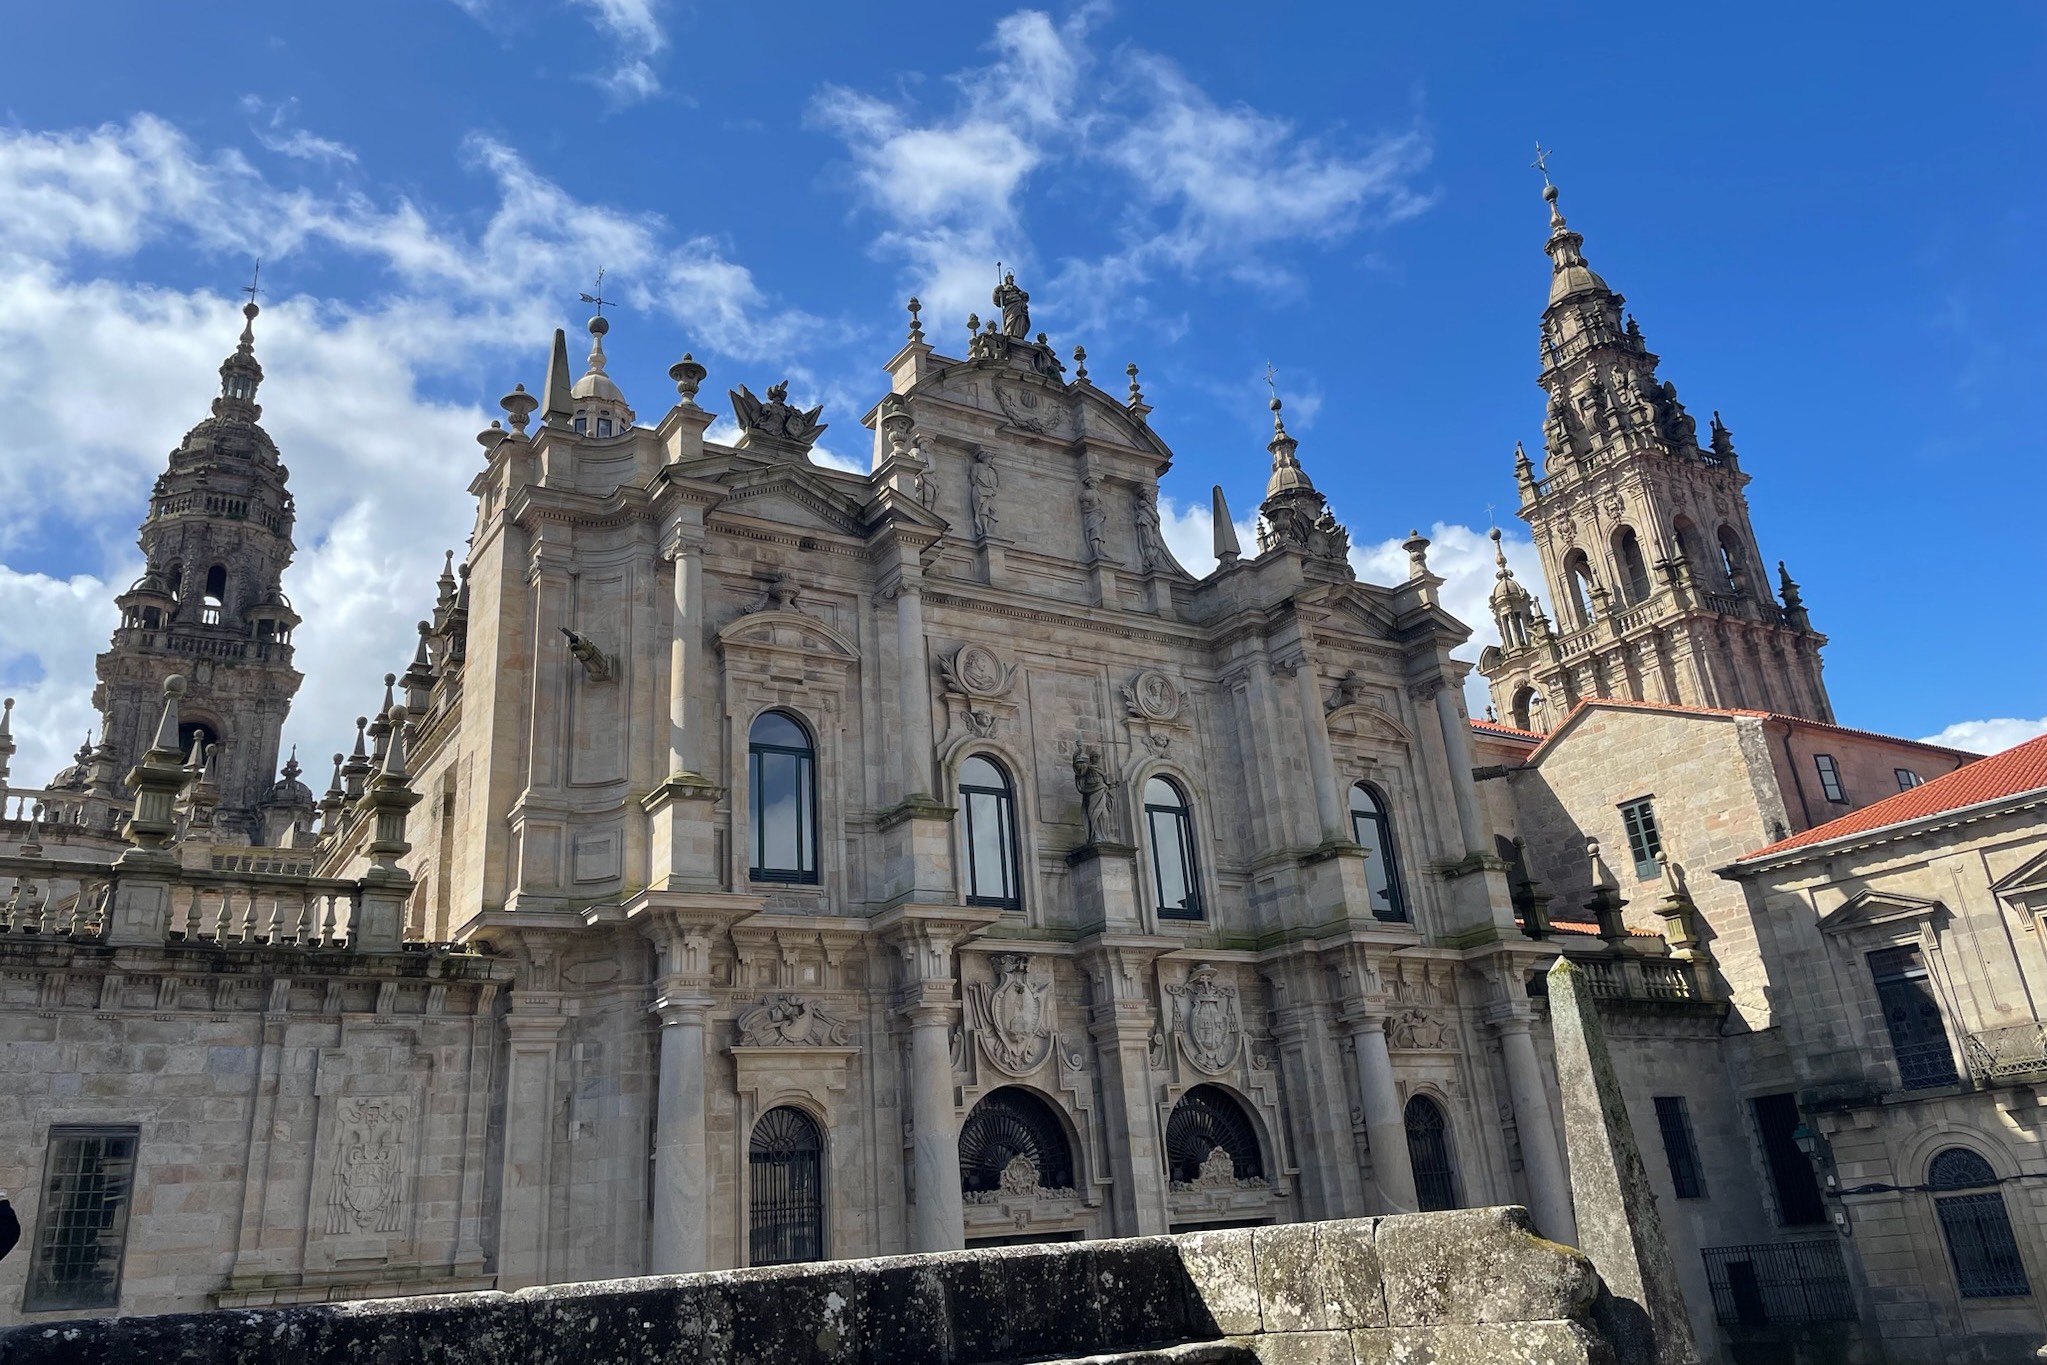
1016	309
1091	525
1094	785
1151	542
984	493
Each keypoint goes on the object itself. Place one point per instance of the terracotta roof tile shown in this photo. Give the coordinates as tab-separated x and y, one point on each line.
1493	727
2022	768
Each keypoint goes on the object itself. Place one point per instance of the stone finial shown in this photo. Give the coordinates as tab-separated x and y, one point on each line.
1417	547
1606	903
916	336
557	406
1227	550
518	406
1080	364
1643	1312
489	437
689	377
1138	407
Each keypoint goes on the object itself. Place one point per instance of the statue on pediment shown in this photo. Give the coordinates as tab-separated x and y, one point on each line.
1016	308
775	417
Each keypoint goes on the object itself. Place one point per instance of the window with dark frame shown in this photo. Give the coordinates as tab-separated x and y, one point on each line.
1919	1038
1674	1121
1976	1227
1645	841
1170	824
1372	829
785	1172
1428	1151
990	805
1799	1202
1907	779
782	782
82	1225
1830	778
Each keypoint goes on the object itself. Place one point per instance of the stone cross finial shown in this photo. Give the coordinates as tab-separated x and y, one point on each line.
916	323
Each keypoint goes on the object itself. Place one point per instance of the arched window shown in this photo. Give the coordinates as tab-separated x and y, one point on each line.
1578	578
1733	565
1207	1121
1428	1148
785	1214
1634	569
1687	536
1008	1126
1170	824
1514	630
782	773
1522	712
216	595
1372	829
1976	1226
990	804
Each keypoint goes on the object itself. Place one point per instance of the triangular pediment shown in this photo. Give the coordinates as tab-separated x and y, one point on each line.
793	632
2028	879
1867	909
1035	404
794	495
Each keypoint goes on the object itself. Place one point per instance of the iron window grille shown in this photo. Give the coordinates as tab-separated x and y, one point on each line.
1208	1117
1171	827
782	800
1007	1124
1779	1283
1428	1150
1372	829
1976	1227
785	1166
990	804
82	1226
1918	1034
1674	1121
1645	840
1830	778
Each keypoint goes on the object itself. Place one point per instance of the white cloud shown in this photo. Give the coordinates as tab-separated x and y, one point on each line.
1189	532
379	468
1988	736
635	26
1198	184
1463	559
273	129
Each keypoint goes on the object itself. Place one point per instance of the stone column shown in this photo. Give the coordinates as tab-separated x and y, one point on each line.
533	1030
682	834
938	1222
1457	744
915	682
1385	1119
687	749
1122	1018
682	1215
1329	804
1549	1189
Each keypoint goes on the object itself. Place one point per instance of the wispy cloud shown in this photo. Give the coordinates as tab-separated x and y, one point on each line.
274	130
636	27
1988	736
1201	185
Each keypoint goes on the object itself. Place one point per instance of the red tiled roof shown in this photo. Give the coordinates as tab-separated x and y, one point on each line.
1494	728
1625	704
2022	768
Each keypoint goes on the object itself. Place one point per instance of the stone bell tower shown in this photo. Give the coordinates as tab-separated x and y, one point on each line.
210	604
1661	592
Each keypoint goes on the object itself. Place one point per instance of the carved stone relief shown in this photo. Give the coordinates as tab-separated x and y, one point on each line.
1210	1030
1014	1014
786	1020
369	1165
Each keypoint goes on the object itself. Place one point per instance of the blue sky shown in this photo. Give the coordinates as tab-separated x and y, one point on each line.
1828	222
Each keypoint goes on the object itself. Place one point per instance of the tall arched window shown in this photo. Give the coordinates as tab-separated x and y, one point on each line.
782	775
785	1165
1733	563
1522	711
216	595
990	805
1578	578
1428	1148
1634	569
1372	829
1208	1120
1007	1126
1977	1227
1170	824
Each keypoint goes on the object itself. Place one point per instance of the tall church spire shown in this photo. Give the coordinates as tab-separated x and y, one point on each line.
1647	548
210	603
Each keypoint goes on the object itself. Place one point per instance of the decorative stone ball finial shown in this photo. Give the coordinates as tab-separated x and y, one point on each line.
1417	547
519	406
1136	394
916	323
1079	363
689	377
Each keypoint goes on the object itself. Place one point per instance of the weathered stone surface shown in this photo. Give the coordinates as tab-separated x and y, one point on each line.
1478	1266
1299	1348
1289	1287
1223	1272
1523	1343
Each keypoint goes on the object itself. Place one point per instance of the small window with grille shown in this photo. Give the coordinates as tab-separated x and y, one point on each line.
1674	1120
1912	1015
1976	1226
1645	841
1830	778
82	1226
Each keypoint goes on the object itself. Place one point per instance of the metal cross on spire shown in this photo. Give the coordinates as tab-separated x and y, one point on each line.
598	297
1541	162
254	276
1271	384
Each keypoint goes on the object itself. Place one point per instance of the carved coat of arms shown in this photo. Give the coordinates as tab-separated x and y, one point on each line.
369	1167
1211	1032
784	1020
1015	1016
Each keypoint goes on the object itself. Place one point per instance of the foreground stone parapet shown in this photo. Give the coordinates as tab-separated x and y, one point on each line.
1474	1285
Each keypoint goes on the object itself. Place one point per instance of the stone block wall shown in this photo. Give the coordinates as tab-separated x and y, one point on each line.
1474	1285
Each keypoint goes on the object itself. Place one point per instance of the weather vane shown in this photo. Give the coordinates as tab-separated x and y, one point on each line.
254	276
1491	520
1269	383
1541	162
598	297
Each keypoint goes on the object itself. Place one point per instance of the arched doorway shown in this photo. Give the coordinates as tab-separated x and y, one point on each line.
1428	1148
785	1204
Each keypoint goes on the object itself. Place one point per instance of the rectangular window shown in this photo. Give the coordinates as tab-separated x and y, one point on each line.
1918	1034
1674	1120
1645	842
1791	1175
1907	779
82	1225
1830	778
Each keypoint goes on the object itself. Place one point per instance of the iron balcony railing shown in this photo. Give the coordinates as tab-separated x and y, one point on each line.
1770	1284
2015	1050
